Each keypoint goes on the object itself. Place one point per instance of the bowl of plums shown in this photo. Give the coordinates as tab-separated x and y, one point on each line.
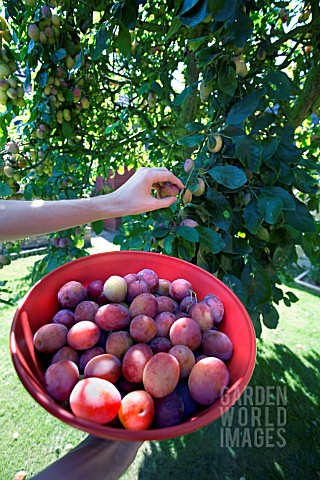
132	345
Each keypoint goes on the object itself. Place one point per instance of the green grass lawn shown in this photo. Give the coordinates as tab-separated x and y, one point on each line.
275	437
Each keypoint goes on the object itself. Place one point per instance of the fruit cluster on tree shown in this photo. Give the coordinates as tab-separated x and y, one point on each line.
225	94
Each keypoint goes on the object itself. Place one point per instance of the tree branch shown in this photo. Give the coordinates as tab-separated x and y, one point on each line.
149	27
308	97
302	30
191	105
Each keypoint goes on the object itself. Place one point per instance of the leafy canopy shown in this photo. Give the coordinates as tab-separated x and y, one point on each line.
106	85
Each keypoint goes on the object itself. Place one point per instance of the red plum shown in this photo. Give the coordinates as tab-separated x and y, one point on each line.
208	380
161	375
137	410
50	338
180	288
60	379
216	344
134	362
104	366
118	343
96	400
83	335
142	329
112	316
71	293
186	331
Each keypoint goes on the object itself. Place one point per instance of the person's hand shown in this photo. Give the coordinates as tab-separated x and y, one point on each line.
136	195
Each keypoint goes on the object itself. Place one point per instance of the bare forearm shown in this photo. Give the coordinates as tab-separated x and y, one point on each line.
20	219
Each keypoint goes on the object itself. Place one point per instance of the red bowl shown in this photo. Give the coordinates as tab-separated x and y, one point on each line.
40	304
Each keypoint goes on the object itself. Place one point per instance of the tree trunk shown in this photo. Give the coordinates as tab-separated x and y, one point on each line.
309	98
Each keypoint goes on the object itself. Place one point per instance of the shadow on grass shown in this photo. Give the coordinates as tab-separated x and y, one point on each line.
275	437
18	288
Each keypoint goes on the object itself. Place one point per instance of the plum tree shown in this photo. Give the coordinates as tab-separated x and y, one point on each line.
162	80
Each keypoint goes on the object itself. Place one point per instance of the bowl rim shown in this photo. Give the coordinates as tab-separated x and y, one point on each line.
104	431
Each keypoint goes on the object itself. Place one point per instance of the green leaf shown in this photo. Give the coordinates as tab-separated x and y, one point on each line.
118	239
241	246
253	216
292	297
188	233
221	10
210	239
280	255
110	128
244	108
202	259
43	77
67	130
160	232
186	250
156	87
191	140
5	190
289	153
268	175
167	244
101	38
270	316
143	89
187	5
123	40
227	78
195	15
232	131
174	27
229	176
285	175
181	97
287	198
303	181
241	29
97	226
286	302
27	81
28	192
220	209
256	321
262	122
301	219
257	283
31	46
163	215
77	64
263	234
196	43
195	127
271	206
269	147
59	55
309	164
249	152
206	56
277	84
129	13
286	133
236	286
272	163
193	183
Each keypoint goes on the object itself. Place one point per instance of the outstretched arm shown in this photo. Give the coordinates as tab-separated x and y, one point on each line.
20	219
